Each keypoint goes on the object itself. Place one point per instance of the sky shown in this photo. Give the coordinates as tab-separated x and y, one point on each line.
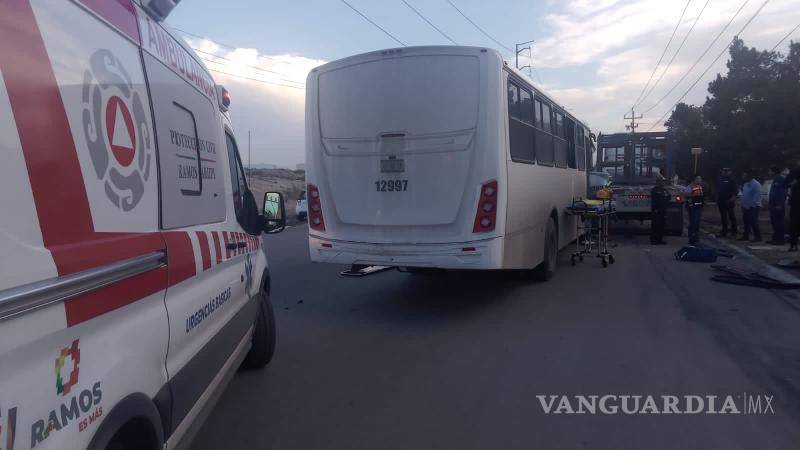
595	57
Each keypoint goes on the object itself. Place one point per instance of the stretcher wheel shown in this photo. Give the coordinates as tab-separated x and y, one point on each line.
611	259
605	262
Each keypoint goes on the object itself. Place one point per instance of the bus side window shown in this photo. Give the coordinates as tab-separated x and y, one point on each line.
570	134
525	107
513	100
560	125
561	147
520	133
544	138
537	110
580	149
546	118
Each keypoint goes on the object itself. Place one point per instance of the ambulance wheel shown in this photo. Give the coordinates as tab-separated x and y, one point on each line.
546	270
263	348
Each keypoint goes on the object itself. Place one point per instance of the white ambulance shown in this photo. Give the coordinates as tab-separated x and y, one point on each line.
132	279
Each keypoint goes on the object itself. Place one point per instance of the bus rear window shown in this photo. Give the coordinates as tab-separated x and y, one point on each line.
417	95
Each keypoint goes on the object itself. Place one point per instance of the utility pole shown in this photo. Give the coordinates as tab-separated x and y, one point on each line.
630	155
633	118
519	48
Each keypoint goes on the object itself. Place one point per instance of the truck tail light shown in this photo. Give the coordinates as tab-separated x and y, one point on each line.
315	219
486	216
678	198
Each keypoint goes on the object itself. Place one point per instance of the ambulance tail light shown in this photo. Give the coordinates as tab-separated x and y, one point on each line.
315	218
486	215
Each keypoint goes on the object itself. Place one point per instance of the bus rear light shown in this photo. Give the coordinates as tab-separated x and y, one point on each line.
315	218
486	215
678	198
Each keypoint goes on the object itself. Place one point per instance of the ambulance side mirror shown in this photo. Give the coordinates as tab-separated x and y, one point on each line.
274	213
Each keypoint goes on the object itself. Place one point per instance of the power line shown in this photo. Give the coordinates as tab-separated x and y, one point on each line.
256	79
785	37
700	58
478	27
758	11
697	19
429	22
228	66
373	23
661	58
228	46
242	64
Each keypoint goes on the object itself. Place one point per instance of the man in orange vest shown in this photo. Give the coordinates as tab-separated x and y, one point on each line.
694	203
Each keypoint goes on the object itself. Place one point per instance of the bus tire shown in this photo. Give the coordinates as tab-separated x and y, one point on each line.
546	270
263	348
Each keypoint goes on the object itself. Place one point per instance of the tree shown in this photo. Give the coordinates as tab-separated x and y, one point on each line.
751	117
689	130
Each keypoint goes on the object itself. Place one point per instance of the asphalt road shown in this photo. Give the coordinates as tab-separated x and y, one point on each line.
456	361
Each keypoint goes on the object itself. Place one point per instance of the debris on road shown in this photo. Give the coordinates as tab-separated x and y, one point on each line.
701	254
744	276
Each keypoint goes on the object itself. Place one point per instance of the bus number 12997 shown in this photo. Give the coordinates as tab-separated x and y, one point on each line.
391	185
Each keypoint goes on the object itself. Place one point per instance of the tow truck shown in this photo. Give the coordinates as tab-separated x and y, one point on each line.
635	161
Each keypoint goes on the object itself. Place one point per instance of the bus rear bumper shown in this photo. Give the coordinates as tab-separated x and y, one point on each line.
483	254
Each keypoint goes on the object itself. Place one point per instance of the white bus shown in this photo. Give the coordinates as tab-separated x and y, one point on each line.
439	157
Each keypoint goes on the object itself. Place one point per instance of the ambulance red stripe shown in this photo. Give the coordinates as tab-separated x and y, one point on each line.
205	250
227	241
215	235
180	256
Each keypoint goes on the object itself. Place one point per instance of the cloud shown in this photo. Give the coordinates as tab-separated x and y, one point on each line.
619	42
267	98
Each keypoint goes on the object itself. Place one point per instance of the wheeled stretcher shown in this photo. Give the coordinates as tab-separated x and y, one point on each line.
592	229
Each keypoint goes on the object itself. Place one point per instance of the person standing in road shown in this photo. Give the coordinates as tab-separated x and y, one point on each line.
659	199
695	204
726	202
777	206
751	204
793	180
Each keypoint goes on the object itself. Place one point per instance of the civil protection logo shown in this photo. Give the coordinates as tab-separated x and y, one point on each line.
116	130
64	385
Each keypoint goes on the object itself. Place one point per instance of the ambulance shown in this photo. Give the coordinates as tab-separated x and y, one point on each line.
133	282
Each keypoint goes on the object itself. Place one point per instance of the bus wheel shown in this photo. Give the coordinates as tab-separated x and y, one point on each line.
546	270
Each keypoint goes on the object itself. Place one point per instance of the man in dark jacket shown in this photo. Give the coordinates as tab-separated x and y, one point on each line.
777	206
726	201
659	199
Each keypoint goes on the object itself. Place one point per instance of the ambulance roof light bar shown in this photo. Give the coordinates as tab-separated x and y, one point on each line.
159	9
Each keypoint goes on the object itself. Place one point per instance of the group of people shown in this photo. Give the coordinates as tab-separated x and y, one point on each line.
785	190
